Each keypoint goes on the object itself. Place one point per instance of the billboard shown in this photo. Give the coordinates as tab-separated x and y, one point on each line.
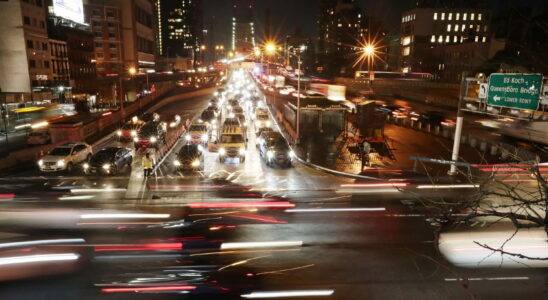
69	9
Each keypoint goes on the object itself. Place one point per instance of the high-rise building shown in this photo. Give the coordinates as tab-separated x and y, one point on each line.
25	60
343	28
243	28
427	32
179	27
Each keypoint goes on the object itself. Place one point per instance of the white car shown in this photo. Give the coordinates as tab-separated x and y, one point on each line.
65	157
38	138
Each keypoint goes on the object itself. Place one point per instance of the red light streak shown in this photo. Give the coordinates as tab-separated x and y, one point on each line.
150	289
509	169
241	205
387	184
108	113
265	219
139	247
7	196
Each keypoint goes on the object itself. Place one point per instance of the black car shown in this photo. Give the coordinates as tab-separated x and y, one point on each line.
109	161
151	135
263	129
150	117
207	116
434	118
190	158
274	149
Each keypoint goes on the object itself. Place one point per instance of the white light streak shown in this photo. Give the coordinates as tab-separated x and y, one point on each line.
285	294
38	258
349	209
251	245
368	191
448	186
40	242
125	216
105	190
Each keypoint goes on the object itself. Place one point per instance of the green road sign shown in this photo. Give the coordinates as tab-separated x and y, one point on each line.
520	91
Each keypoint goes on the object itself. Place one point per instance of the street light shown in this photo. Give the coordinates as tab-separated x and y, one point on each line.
132	71
270	48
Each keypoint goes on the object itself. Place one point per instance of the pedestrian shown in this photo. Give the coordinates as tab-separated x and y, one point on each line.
147	165
366	148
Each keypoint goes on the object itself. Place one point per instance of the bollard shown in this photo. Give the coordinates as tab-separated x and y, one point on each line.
419	125
494	150
428	127
473	142
483	146
437	130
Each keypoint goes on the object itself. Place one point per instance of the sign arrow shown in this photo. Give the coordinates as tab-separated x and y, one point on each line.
496	98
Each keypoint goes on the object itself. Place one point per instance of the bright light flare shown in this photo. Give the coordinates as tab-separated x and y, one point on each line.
254	245
38	258
286	294
125	216
242	205
40	242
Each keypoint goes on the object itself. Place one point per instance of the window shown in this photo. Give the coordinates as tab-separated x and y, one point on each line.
96	23
113	55
98	45
456	27
38	2
480	17
100	55
457	16
406	41
448	27
472	17
455	39
476	39
113	46
42	24
30	44
443	16
44	46
450	16
478	28
447	39
406	51
32	63
435	16
463	28
464	16
110	14
46	64
440	39
110	25
96	13
484	39
26	20
433	39
484	28
112	35
97	34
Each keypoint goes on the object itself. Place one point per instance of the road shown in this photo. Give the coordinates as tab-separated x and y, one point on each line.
357	243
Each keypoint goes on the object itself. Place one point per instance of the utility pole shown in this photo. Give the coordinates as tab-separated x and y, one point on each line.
298	99
460	121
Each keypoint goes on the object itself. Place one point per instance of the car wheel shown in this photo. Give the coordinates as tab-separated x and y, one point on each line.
70	167
88	158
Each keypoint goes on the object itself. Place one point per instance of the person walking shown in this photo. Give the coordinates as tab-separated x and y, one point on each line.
147	165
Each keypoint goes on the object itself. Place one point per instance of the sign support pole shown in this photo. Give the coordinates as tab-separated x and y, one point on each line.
460	121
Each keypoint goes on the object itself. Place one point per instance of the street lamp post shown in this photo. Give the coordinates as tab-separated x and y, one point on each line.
298	98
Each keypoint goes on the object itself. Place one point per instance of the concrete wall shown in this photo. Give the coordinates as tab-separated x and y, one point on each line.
437	93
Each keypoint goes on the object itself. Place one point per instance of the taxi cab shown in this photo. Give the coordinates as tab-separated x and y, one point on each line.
130	130
197	133
232	144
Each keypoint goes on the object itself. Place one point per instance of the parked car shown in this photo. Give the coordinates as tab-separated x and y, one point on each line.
190	158
38	138
151	135
109	161
274	149
65	157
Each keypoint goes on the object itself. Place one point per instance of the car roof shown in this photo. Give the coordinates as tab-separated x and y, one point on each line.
110	149
231	130
272	134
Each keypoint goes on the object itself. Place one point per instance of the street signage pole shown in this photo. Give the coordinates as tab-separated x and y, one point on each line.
517	91
460	121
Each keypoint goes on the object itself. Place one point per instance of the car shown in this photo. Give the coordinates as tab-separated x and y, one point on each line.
261	121
434	118
263	129
150	117
129	130
233	102
207	116
174	121
108	161
232	143
151	135
65	157
190	158
232	122
197	133
41	137
274	149
396	111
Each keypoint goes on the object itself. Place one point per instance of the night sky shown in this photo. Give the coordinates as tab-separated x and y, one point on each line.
289	14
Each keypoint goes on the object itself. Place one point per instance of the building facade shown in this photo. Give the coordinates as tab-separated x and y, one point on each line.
243	29
432	31
180	27
25	60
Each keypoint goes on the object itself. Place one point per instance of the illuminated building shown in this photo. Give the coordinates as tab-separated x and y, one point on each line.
243	29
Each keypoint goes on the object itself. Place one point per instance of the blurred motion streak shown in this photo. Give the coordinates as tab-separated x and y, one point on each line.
298	210
251	245
241	262
246	251
125	216
366	185
7	196
149	289
286	270
265	219
285	294
448	186
41	242
139	247
38	258
241	204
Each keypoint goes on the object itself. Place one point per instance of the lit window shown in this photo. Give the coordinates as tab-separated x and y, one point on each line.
484	39
455	39
406	51
447	39
443	16
406	41
476	39
450	16
448	27
405	69
472	17
457	16
478	28
456	27
461	39
435	16
463	27
440	39
464	16
433	39
484	28
339	25
479	17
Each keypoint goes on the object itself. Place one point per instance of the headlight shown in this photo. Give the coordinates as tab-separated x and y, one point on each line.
119	132
172	124
270	154
242	151
86	166
153	139
133	133
268	123
257	123
214	122
196	163
291	153
187	137
176	163
40	163
204	137
61	163
222	151
106	167
136	140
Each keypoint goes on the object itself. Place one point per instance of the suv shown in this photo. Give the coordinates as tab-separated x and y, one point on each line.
197	133
274	149
232	143
150	135
65	157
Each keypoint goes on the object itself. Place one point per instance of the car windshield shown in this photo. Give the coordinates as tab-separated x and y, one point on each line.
238	110
232	139
60	151
262	117
197	128
102	156
129	126
189	151
277	142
